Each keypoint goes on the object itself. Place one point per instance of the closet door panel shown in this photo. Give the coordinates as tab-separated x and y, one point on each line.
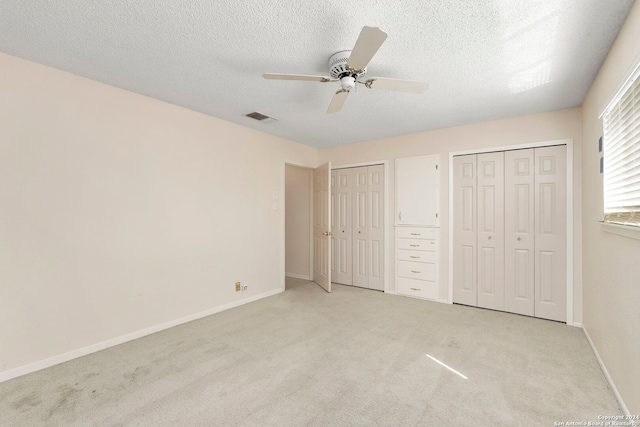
490	191
375	231
342	186
360	228
551	229
519	232
334	261
464	230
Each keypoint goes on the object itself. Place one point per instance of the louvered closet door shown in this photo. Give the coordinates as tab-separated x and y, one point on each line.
519	231
375	203
490	172
464	230
551	232
342	187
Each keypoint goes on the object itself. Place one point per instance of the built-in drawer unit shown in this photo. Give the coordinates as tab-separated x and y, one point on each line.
417	261
416	244
416	270
417	233
417	256
417	288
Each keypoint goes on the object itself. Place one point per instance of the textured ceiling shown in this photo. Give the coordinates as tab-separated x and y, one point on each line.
483	59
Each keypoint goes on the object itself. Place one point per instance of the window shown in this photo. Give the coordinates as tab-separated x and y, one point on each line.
621	146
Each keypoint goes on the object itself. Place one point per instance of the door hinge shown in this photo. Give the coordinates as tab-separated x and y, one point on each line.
436	167
436	215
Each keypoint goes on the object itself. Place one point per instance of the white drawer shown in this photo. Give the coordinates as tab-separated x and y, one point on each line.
417	244
416	270
417	288
417	256
417	233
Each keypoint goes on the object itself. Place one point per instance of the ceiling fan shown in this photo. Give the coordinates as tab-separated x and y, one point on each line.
350	66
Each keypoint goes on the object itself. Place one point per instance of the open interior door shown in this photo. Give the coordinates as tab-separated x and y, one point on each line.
322	226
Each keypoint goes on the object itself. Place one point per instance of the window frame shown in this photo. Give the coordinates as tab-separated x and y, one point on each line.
629	229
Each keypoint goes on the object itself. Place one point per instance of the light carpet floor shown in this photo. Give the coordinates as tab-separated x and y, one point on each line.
308	358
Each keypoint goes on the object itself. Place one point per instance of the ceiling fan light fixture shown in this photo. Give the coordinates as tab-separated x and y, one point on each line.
348	82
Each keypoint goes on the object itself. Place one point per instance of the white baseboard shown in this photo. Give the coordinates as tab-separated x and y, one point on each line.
65	357
444	301
298	276
606	374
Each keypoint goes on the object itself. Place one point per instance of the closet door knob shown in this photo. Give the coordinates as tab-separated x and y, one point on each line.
489	237
519	239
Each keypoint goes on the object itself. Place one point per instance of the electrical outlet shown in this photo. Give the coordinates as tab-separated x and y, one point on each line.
237	286
244	286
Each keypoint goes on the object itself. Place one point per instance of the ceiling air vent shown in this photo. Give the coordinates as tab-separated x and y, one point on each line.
261	117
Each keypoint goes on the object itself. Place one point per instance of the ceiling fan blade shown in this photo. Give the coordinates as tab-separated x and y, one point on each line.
368	43
321	79
337	101
397	85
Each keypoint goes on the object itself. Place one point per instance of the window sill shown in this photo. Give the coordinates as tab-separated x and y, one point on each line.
621	230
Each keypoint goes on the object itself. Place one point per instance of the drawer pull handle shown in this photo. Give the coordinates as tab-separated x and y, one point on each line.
415	271
433	243
414	257
415	289
415	246
416	234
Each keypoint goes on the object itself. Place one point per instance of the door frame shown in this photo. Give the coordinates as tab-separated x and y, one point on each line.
385	231
570	209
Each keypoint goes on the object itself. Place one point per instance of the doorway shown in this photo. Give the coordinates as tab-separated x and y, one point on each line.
298	230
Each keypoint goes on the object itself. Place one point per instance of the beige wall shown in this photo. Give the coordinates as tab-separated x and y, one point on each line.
611	262
120	212
297	221
534	128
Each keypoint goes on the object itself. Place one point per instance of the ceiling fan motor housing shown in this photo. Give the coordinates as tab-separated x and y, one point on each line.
338	66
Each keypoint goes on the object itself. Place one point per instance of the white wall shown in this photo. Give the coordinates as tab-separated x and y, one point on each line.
119	212
611	262
297	221
563	124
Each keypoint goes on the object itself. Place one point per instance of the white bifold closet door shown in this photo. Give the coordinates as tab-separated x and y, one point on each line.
510	231
358	232
490	236
520	231
551	233
341	189
465	254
